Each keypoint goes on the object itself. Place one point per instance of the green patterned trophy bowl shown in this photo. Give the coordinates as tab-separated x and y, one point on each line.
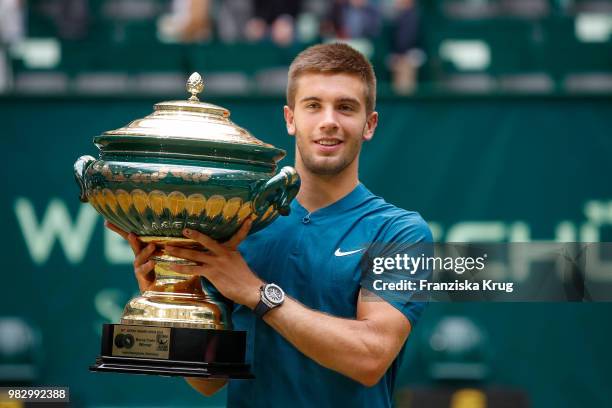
186	165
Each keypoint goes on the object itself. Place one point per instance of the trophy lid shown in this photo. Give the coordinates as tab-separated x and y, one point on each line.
188	129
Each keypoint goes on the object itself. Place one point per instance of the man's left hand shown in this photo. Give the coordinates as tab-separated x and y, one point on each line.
222	265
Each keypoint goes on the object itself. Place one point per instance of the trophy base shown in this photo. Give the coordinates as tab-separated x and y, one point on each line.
173	351
171	368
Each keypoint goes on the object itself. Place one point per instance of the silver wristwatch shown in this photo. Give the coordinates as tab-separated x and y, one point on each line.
271	296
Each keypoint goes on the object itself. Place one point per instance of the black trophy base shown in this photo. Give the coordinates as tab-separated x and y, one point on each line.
173	351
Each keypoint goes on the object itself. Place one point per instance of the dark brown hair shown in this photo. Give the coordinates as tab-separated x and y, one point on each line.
332	58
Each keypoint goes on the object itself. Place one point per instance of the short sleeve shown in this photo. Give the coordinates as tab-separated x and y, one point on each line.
393	266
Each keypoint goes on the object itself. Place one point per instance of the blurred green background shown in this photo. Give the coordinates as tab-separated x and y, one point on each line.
503	136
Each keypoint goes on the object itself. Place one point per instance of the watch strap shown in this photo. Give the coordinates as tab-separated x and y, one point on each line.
261	309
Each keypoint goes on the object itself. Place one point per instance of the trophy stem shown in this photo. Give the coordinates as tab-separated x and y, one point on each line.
166	280
176	300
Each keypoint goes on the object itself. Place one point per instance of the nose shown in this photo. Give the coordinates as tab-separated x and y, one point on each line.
329	122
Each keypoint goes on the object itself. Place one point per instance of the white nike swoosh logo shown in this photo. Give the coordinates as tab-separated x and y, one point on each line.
340	253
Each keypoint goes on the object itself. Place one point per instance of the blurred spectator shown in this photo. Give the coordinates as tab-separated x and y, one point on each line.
197	26
274	19
71	17
131	10
189	21
232	18
11	31
308	25
11	21
406	57
353	19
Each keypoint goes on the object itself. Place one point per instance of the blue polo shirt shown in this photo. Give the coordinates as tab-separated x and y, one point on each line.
315	257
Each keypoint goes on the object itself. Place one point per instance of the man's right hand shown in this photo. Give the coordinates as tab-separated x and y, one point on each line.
143	266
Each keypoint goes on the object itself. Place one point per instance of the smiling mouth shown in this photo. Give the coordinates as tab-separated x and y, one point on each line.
328	142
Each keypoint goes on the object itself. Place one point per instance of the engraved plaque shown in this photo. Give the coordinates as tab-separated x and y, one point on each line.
140	341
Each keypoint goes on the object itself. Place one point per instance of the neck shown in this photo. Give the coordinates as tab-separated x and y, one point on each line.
319	191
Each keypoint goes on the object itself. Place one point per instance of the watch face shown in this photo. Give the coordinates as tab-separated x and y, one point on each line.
274	293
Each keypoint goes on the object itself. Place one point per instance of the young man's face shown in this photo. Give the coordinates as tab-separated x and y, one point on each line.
329	121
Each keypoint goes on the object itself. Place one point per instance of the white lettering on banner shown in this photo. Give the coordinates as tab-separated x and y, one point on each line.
521	232
74	237
522	257
109	303
597	213
116	249
476	232
566	232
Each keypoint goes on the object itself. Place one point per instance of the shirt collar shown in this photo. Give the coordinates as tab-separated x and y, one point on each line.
351	200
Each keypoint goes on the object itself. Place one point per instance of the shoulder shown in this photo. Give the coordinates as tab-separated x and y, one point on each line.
410	225
397	224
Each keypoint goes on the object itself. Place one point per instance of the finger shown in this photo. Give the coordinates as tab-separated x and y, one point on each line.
132	238
115	228
240	235
144	255
144	271
190	254
209	243
135	243
189	269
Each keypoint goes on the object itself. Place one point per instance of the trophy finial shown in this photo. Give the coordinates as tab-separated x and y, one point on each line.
195	85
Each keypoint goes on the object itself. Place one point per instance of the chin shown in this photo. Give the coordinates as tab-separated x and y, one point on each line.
327	169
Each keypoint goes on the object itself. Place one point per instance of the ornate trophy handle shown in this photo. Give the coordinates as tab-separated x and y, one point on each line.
278	191
80	167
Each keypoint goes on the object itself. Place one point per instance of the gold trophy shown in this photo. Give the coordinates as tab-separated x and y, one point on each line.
186	165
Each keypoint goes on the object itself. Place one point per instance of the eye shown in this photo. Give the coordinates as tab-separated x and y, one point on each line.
346	108
312	105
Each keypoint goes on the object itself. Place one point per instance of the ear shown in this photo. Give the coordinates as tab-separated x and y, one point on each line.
289	120
370	126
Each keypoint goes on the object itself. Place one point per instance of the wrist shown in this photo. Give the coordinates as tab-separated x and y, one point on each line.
253	295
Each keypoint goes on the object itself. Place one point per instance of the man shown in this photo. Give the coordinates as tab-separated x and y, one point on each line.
325	344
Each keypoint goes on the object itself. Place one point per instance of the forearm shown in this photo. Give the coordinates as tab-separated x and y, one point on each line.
350	347
205	386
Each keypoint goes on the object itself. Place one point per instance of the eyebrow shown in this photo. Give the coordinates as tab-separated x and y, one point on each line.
350	100
310	98
344	99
